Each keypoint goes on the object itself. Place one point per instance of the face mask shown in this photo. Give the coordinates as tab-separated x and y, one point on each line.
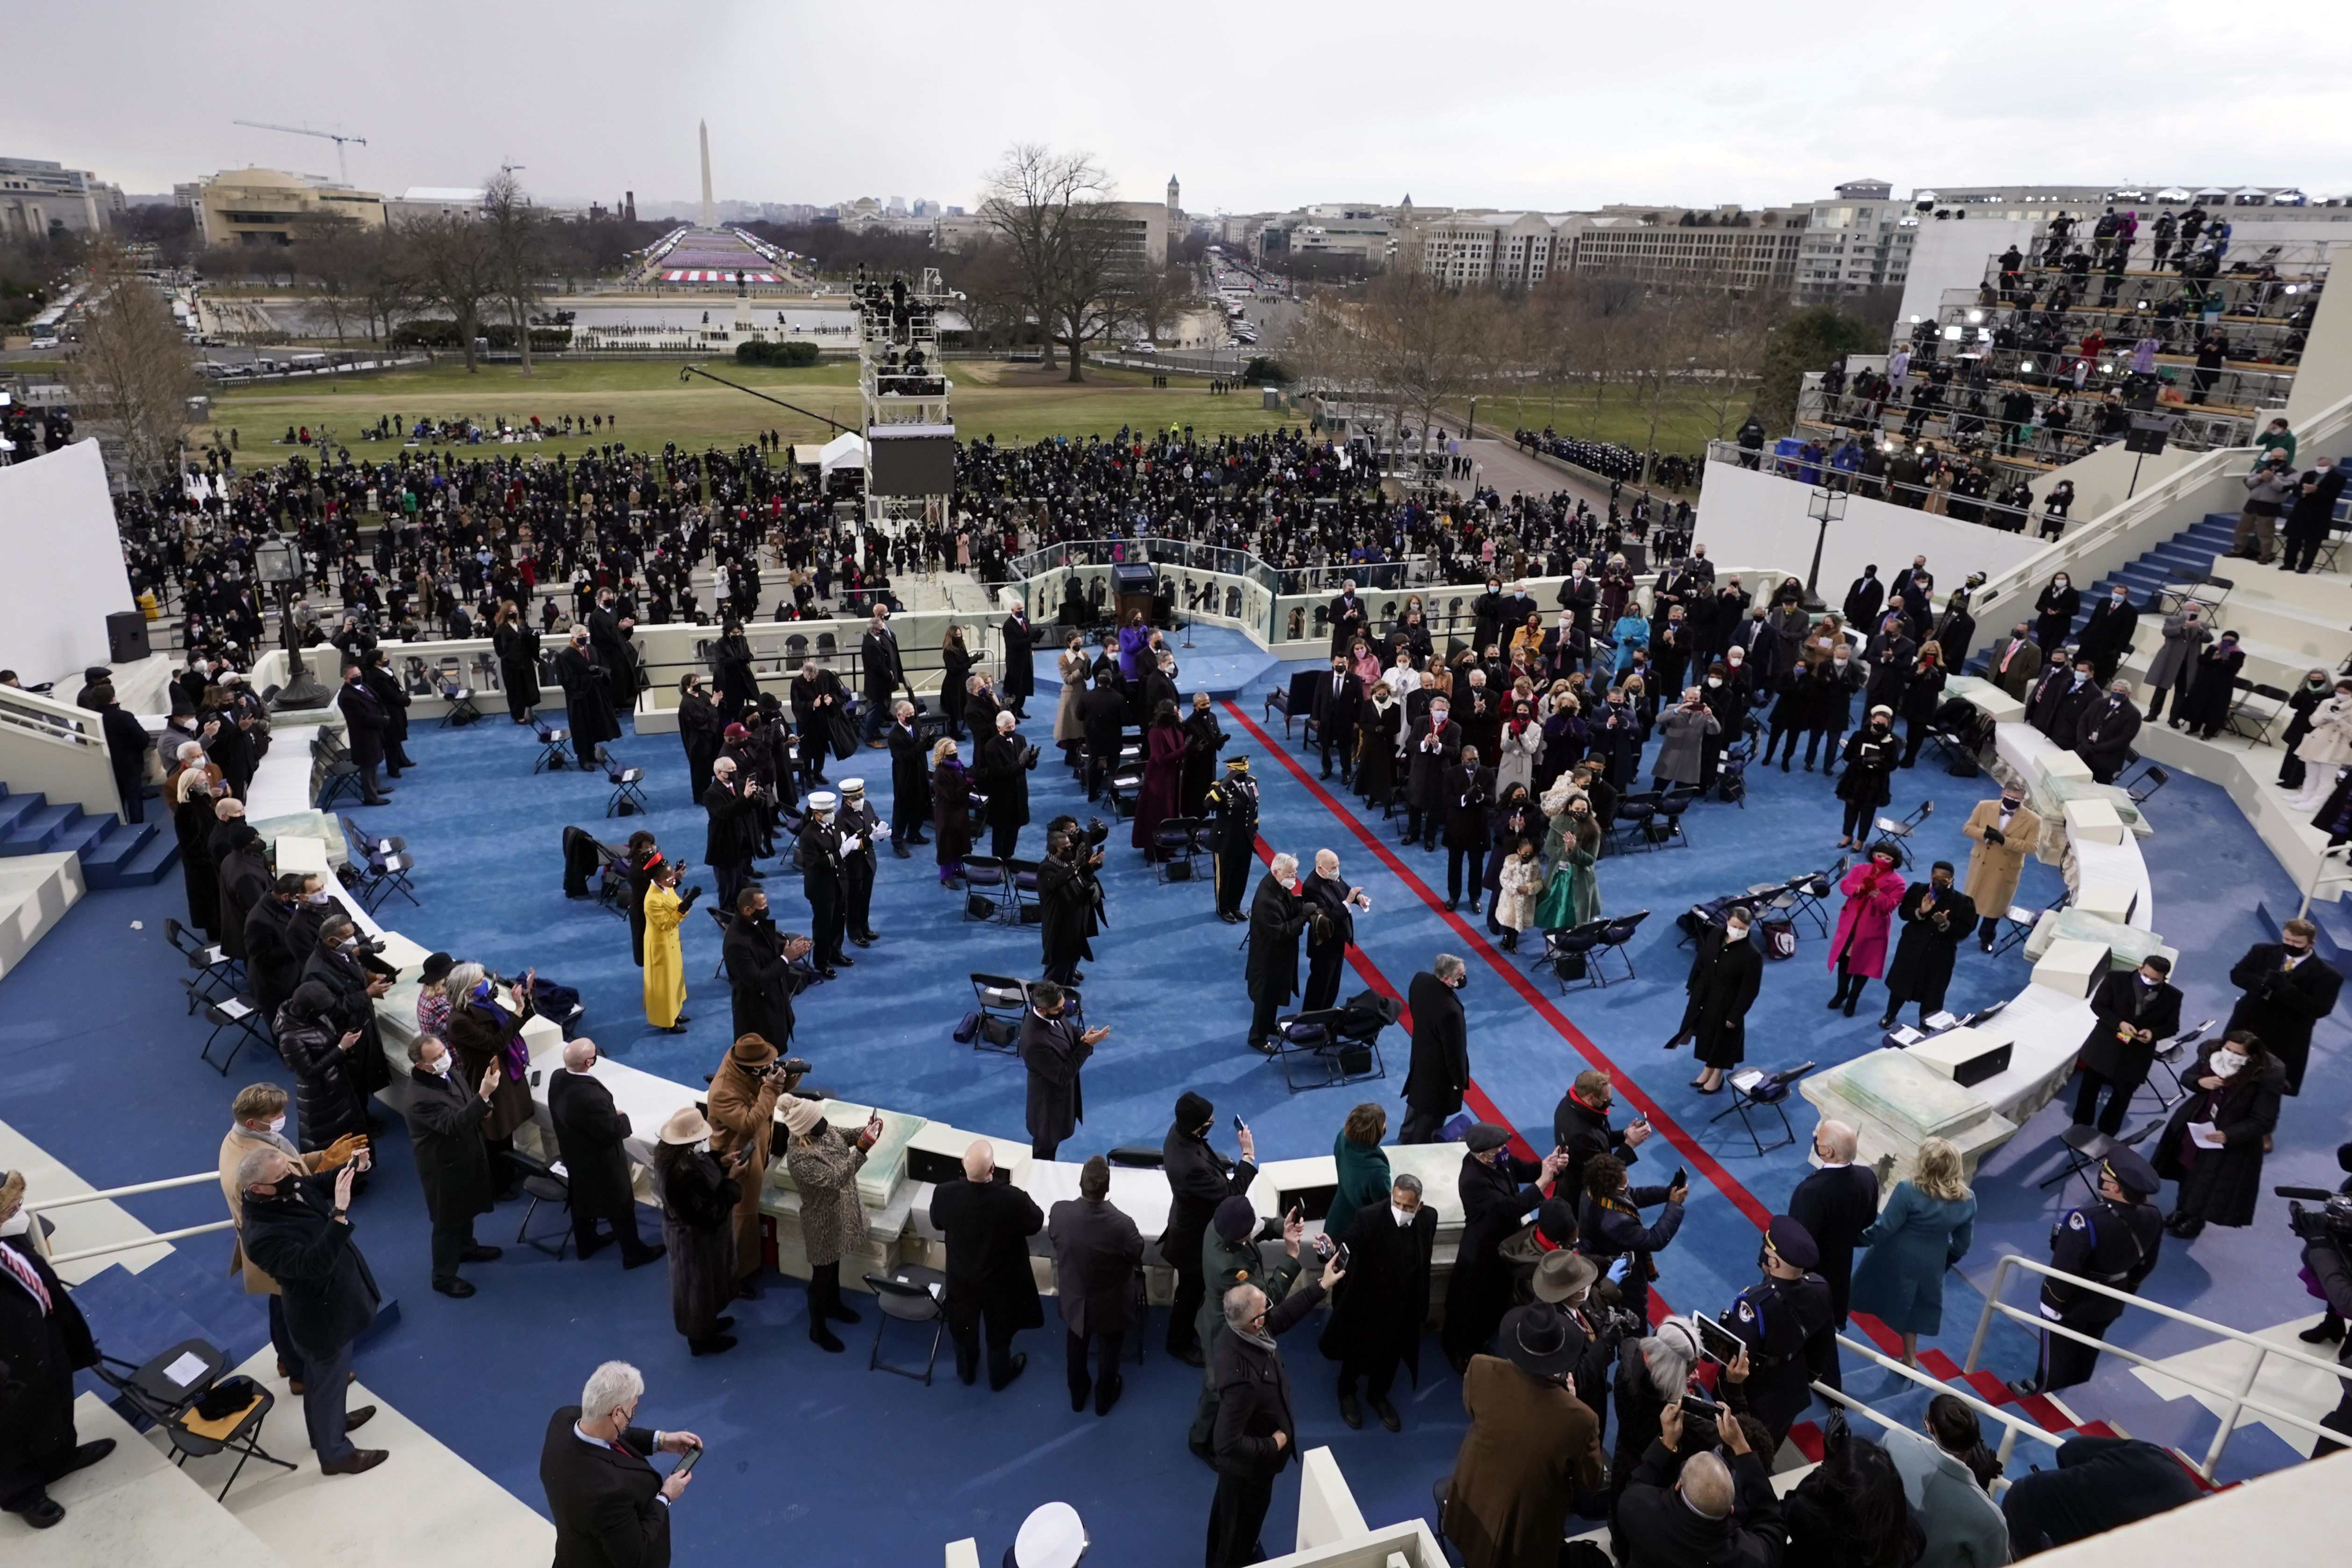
1462	982
441	1064
285	1185
2227	1063
1714	680
277	1123
16	1223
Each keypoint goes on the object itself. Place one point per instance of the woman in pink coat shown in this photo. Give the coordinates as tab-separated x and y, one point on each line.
1859	951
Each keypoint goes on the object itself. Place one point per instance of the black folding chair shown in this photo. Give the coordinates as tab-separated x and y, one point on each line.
380	877
1026	909
2171	1054
2146	784
217	974
1901	832
1634	812
1618	933
1748	1108
2088	1146
2256	707
551	745
910	1293
1571	954
1001	1002
543	1185
626	797
227	1012
356	837
1175	845
2018	923
332	772
987	890
725	920
461	710
1666	828
167	1391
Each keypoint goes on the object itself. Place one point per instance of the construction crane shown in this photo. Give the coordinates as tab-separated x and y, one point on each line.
341	164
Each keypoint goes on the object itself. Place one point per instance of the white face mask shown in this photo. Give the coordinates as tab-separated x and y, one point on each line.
278	1122
16	1223
1714	680
1403	1216
2227	1063
441	1064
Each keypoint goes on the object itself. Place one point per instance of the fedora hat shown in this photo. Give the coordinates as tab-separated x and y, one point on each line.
1541	1341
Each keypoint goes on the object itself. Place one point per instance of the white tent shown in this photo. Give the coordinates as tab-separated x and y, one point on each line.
846	450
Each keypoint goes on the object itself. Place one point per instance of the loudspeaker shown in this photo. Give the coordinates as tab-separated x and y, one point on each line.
126	636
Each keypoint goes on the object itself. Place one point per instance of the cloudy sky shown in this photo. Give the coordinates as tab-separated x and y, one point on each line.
1257	106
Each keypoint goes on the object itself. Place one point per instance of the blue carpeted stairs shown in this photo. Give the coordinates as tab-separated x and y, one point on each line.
2185	557
114	853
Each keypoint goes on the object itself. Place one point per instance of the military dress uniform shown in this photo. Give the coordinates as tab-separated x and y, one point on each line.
821	880
1790	1329
2113	1243
857	820
1233	802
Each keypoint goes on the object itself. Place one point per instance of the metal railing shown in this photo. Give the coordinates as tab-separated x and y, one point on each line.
2013	1427
1987	510
131	1191
1413	571
63	1259
2238	1400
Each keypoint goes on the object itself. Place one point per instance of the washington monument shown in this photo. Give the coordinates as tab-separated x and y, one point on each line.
710	208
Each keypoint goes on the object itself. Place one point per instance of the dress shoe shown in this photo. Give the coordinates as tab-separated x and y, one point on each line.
684	1020
2024	1387
457	1288
42	1512
361	1459
1784	766
670	1028
1078	1396
355	1419
842	960
1850	1007
590	1248
480	1254
861	941
716	1344
1020	1366
650	1255
1837	1002
745	1290
824	1338
1452	904
86	1456
1351	1412
2327	1330
724	1323
1388	1414
902	851
1106	1393
1888	1022
824	974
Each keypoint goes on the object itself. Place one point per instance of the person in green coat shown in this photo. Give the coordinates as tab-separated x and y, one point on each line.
1926	1228
1229	1257
1363	1170
1572	897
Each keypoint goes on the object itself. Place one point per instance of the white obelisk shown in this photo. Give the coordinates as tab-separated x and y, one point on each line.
710	208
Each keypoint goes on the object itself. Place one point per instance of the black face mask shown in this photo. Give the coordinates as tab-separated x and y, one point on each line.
285	1185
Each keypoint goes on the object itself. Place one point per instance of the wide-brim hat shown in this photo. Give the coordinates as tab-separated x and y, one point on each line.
1541	1341
1563	1275
751	1051
684	1126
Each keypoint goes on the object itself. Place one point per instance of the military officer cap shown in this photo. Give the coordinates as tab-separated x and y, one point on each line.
821	800
1793	1242
1239	763
852	787
1485	1135
2131	1173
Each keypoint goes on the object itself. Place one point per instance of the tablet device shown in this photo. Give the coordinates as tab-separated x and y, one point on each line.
1716	1341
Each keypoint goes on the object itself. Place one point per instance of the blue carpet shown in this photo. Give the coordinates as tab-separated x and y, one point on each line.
94	1043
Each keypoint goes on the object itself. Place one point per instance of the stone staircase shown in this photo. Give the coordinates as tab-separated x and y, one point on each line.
113	853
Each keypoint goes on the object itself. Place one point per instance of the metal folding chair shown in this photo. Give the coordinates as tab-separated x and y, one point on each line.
381	876
2018	923
626	797
551	745
1618	933
1666	828
910	1293
167	1391
2086	1146
1747	1106
987	890
2169	1056
2255	710
1901	832
1175	845
217	974
1000	1001
227	1012
2147	783
1577	942
542	1185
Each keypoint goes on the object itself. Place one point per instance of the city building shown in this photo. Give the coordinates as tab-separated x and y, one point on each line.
263	206
435	201
39	197
1730	247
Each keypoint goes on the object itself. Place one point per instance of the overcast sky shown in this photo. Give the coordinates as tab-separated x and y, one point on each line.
1255	107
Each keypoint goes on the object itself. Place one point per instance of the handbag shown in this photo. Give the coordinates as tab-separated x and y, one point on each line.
843	735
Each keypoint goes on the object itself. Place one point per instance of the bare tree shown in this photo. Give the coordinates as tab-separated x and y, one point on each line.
1156	296
518	236
135	372
1419	343
1051	211
329	251
384	281
456	266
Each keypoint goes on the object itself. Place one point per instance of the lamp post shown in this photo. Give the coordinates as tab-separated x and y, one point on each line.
1826	507
277	562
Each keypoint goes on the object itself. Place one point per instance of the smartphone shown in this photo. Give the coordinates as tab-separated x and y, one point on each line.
1682	1177
1699	1407
1239	1126
685	1463
1717	1341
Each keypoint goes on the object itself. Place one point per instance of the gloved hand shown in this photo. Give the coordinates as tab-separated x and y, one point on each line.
1617	1269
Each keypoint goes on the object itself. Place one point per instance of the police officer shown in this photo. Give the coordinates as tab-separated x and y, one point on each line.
1789	1325
2113	1241
1233	800
822	847
858	819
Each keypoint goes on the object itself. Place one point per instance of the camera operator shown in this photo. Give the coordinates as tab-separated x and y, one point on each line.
2327	1238
1071	897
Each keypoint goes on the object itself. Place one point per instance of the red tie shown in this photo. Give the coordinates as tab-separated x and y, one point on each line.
28	1276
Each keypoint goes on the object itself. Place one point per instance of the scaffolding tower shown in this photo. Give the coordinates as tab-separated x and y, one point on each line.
910	434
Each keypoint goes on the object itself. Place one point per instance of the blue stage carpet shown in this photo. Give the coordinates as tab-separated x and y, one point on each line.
97	1064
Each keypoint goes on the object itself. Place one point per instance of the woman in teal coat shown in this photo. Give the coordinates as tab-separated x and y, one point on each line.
1927	1227
1572	897
1363	1169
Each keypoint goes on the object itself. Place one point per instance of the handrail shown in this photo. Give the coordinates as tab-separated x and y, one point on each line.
46	716
2239	1400
2015	1425
161	1237
131	1191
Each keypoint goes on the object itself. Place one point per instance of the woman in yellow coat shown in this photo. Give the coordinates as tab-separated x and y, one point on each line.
664	961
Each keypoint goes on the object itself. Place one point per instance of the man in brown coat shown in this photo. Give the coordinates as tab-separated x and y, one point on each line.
1531	1444
743	1111
259	1123
2014	661
2003	833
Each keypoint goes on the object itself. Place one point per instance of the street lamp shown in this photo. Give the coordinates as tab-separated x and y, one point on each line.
278	562
1826	507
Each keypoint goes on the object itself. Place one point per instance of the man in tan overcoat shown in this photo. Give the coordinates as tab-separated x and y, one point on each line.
259	1113
2001	833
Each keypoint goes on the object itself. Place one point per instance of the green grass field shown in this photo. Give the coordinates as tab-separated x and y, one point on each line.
652	406
1682	428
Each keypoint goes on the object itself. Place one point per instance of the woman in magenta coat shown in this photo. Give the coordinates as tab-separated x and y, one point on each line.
1163	776
1858	952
